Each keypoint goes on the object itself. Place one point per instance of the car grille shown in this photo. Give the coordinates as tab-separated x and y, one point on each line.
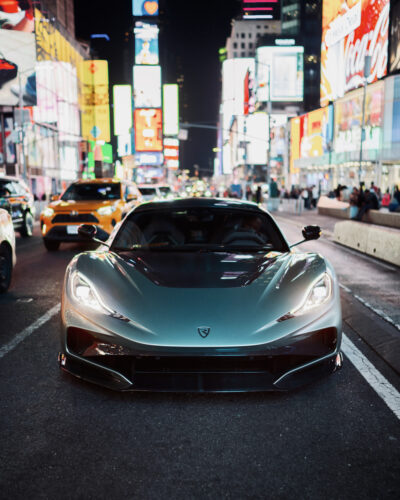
67	218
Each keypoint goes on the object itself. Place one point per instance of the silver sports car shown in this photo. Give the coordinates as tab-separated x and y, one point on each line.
200	295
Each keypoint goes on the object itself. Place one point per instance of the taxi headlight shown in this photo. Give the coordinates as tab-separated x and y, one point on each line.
48	212
108	210
320	293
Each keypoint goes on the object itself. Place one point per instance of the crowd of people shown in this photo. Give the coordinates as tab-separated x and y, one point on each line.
362	199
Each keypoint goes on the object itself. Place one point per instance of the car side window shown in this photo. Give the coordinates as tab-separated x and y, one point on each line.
7	189
132	191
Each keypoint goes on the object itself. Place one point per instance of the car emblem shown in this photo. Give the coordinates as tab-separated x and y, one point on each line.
204	331
73	213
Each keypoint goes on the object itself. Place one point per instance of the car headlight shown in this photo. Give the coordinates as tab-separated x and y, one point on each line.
48	212
85	293
319	293
108	210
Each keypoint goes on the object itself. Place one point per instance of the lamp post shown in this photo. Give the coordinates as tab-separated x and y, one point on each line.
367	68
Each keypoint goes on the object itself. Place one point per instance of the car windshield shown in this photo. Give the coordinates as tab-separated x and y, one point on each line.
147	191
203	229
93	191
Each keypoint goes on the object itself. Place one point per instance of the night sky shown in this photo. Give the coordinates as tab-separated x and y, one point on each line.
190	35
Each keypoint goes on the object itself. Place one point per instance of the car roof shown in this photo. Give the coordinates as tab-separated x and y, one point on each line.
103	180
198	203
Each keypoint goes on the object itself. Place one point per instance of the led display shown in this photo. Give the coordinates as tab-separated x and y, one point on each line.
122	109
171	109
350	31
17	15
146	43
145	8
284	66
148	130
147	86
261	9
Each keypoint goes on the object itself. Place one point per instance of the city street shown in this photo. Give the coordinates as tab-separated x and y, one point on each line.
338	438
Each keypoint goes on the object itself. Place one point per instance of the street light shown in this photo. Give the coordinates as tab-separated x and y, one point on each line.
367	69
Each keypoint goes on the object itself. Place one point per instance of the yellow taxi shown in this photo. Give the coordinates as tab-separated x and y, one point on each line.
102	202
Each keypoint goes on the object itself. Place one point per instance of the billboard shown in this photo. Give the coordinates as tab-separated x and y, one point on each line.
147	86
350	31
257	138
17	15
171	153
146	43
148	130
348	118
154	159
284	66
171	109
316	132
95	109
394	56
261	9
122	96
17	68
124	145
145	7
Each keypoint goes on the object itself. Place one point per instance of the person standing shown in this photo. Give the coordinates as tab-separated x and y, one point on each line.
314	194
258	195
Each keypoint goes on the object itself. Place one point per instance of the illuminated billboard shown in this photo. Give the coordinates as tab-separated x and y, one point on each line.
148	130
147	86
124	145
394	56
145	7
350	31
285	67
122	109
171	109
316	132
146	43
171	153
17	15
261	9
17	68
257	138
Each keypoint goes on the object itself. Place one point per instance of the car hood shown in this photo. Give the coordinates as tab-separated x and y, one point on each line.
164	298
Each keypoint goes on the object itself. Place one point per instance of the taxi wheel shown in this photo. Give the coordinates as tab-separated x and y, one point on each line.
27	227
5	269
51	246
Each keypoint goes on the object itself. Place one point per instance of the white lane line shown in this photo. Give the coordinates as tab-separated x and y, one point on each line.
375	379
21	336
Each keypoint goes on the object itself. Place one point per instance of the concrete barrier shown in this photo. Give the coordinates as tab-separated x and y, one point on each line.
377	241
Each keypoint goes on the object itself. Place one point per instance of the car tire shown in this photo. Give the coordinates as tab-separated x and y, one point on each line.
27	226
5	269
51	245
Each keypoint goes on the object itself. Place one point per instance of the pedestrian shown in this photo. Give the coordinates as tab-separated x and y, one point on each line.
305	195
394	205
273	195
386	199
370	202
354	196
314	196
249	193
258	195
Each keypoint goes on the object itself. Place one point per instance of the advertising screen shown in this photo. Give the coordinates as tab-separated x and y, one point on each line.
17	15
285	67
257	138
316	132
145	8
261	9
394	57
148	130
171	109
149	159
122	109
17	67
171	153
124	145
146	43
350	31
147	86
348	117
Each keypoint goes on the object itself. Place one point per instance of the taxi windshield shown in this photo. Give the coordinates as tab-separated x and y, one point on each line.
94	191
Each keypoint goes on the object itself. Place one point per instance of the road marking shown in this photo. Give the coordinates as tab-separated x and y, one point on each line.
21	336
375	379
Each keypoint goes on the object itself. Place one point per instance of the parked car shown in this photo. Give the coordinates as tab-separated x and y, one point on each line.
17	199
7	249
152	192
102	202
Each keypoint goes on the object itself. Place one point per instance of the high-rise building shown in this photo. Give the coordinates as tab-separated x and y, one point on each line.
63	11
303	20
246	33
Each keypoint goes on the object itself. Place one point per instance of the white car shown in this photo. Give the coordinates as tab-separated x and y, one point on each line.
151	192
7	250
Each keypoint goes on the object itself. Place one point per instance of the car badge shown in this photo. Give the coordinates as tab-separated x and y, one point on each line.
74	213
204	331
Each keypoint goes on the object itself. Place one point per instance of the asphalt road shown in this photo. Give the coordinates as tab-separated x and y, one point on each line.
63	438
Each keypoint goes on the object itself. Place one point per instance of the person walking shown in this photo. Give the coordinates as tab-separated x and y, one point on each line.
258	195
314	196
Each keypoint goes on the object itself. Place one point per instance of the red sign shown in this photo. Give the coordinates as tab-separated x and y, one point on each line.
148	130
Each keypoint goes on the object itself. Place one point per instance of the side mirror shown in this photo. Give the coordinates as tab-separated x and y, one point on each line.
87	231
55	197
311	232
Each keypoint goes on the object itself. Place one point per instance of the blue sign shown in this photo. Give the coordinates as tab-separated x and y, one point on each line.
145	8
